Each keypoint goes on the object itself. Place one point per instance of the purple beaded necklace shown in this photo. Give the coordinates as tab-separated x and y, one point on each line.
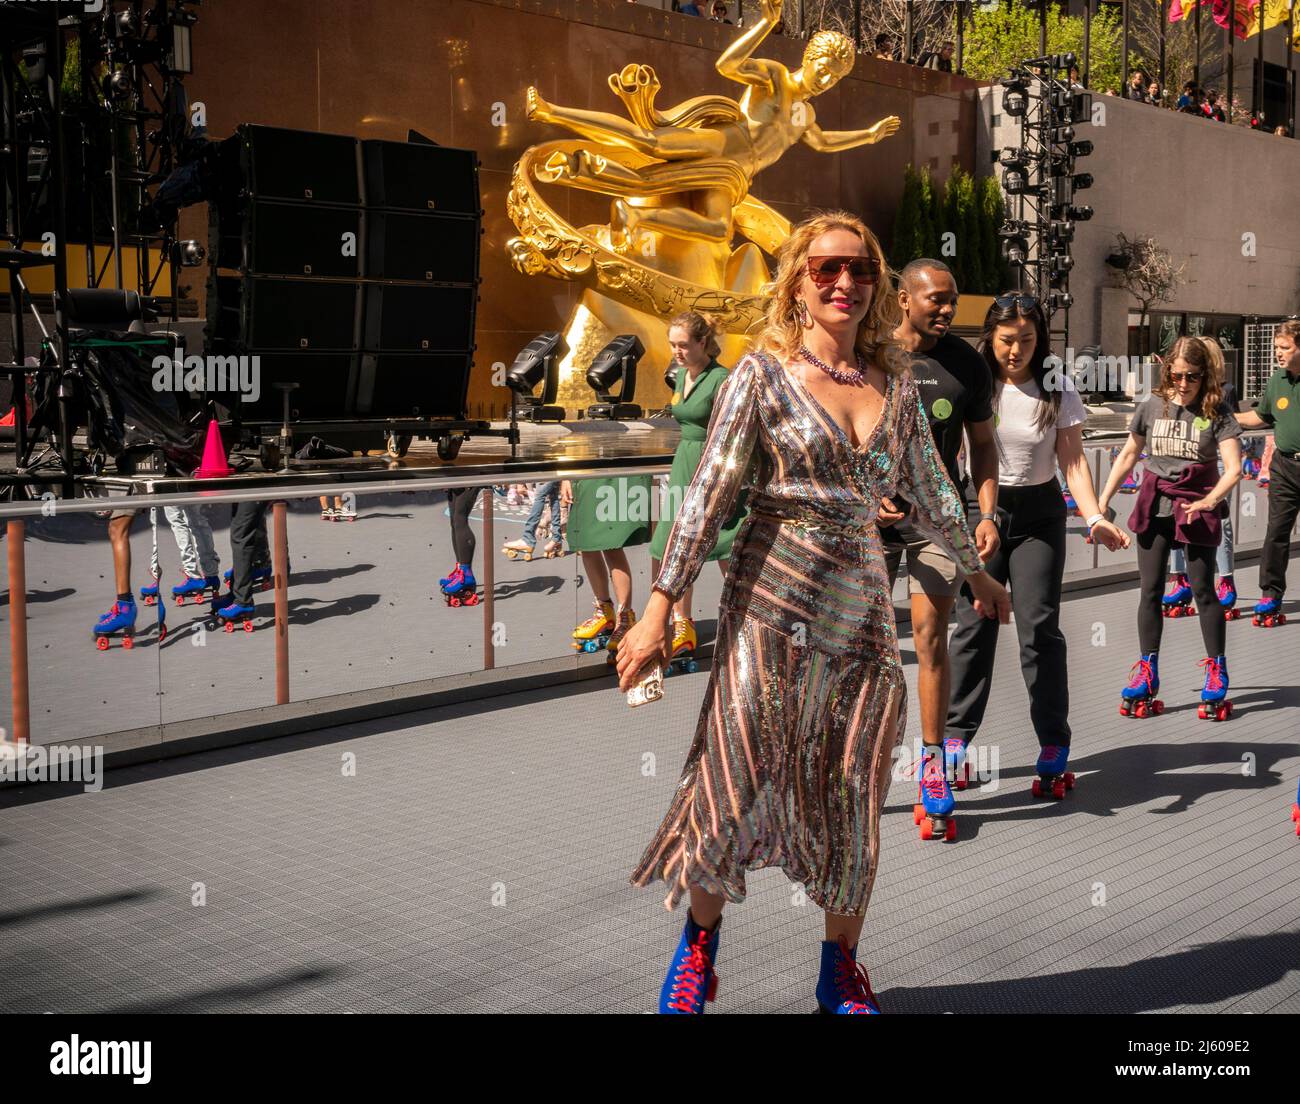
837	374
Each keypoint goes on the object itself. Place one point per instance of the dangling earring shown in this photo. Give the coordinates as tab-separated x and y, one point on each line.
805	319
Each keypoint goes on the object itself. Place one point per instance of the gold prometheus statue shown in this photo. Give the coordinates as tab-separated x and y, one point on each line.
680	186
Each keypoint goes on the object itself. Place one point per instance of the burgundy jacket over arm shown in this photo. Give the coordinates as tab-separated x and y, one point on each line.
1194	484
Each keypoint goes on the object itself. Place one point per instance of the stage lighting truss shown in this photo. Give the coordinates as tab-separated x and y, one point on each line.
1041	175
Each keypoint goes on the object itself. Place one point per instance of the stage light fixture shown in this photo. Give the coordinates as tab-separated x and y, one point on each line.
1060	233
1081	107
1012	157
1081	181
117	84
1061	262
1080	149
1079	214
1014	103
615	363
1014	181
1058	300
1015	249
538	362
670	375
190	253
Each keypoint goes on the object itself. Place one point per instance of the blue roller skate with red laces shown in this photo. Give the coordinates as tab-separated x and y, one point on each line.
1053	779
691	981
201	590
1268	612
149	594
261	577
843	988
462	587
934	811
118	621
1177	601
1138	698
954	761
1215	705
230	614
1227	595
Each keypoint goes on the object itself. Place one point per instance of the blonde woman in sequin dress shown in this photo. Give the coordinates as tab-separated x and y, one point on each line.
791	760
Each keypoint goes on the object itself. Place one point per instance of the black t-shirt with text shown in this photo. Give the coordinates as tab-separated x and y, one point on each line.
956	388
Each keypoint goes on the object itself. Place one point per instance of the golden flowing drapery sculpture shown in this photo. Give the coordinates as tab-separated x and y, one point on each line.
679	182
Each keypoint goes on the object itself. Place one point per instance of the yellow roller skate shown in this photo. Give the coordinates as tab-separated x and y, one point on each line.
684	643
517	550
626	619
593	633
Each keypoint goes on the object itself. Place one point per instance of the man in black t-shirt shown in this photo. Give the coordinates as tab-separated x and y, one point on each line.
956	390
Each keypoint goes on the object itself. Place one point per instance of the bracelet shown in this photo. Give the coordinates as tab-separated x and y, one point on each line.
988	517
1090	522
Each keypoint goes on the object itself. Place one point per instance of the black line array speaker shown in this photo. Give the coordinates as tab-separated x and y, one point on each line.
364	253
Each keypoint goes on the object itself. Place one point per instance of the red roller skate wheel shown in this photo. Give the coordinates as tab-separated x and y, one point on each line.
1037	787
1157	707
927	830
950	833
1069	780
918	811
128	642
101	644
248	626
1058	789
150	600
1223	712
1141	710
1295	813
229	627
1200	711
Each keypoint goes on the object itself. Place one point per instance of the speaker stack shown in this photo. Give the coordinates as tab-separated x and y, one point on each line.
351	269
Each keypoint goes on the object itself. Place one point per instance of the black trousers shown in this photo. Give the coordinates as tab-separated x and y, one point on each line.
1031	559
248	547
1283	507
462	501
1153	550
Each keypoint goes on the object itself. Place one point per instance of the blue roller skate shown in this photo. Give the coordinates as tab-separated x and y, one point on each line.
1177	601
230	613
954	762
261	577
448	580
691	981
462	591
1295	811
1227	595
1268	612
1070	504
1131	483
149	594
119	620
934	811
202	590
1138	698
1215	705
843	988
1053	779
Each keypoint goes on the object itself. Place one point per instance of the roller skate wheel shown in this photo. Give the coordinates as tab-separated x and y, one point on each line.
1295	813
1225	711
101	643
1201	711
950	833
229	626
150	599
1069	780
162	633
128	642
472	600
962	783
1157	707
927	829
248	626
1124	710
1058	789
453	601
1141	710
918	813
1037	787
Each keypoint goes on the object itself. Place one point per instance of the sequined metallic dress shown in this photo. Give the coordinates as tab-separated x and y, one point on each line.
791	759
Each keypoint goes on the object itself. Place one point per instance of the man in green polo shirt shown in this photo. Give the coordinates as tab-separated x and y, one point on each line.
1280	408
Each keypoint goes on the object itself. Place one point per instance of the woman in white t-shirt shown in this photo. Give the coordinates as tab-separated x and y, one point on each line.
1038	417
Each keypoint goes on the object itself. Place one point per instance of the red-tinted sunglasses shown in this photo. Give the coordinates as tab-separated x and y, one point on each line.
824	271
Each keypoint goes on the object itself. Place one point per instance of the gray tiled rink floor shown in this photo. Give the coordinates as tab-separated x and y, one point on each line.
477	862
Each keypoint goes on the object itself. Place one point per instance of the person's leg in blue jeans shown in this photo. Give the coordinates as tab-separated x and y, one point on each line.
545	492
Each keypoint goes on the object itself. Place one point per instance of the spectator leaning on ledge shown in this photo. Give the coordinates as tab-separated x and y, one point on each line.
940	60
1154	95
718	13
1135	90
884	48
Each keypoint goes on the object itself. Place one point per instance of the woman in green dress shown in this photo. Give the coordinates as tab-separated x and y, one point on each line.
606	517
693	339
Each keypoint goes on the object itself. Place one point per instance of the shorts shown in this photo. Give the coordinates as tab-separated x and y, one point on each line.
929	569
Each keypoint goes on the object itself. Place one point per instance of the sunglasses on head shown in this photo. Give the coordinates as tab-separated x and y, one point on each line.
1026	304
824	271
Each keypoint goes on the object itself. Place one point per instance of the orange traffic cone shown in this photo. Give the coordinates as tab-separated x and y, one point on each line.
214	464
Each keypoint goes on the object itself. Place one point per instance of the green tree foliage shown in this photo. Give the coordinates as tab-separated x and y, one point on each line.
992	210
969	209
1004	36
962	220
